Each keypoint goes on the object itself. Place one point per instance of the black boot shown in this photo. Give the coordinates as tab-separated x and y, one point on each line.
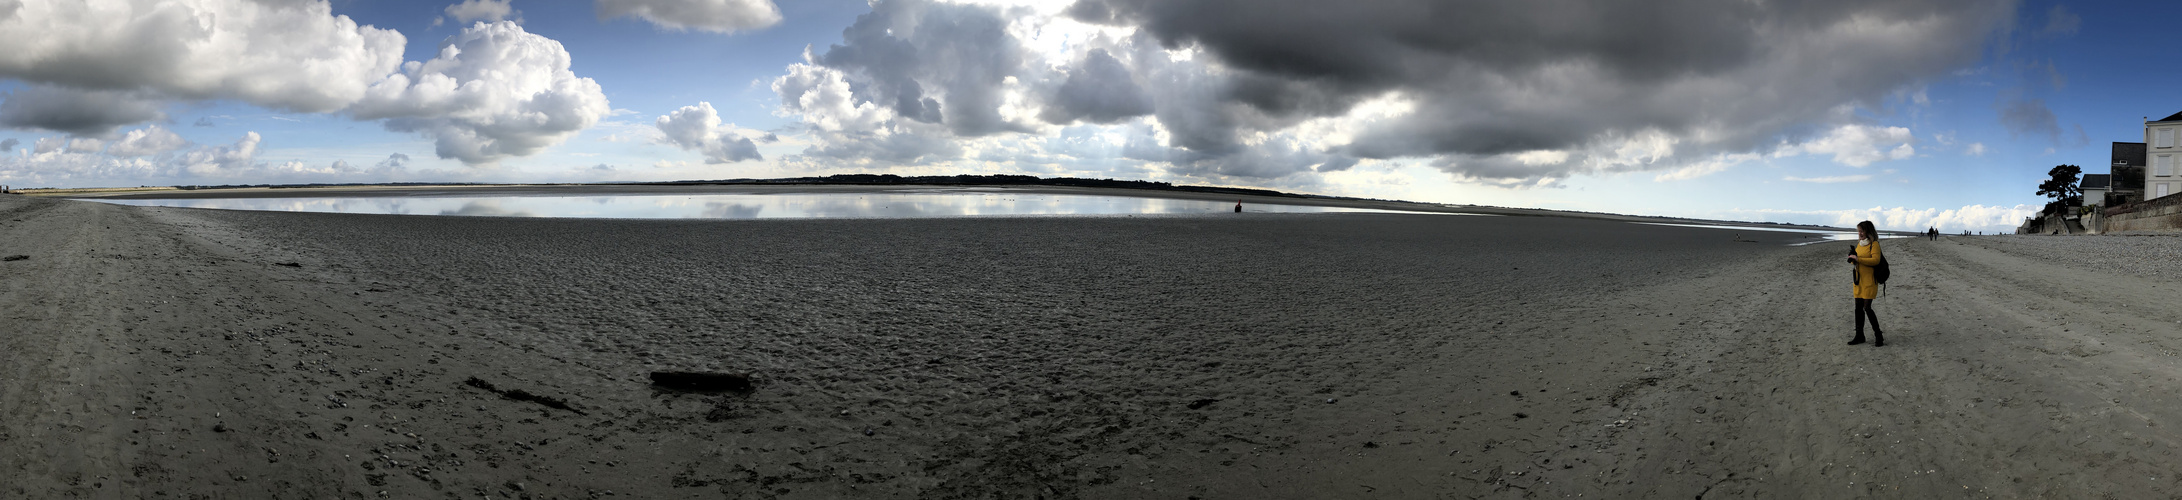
1863	310
1878	338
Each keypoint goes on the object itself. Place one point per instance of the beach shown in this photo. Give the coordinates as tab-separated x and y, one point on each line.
165	352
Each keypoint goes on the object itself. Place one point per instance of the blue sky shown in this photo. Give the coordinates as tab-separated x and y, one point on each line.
1912	114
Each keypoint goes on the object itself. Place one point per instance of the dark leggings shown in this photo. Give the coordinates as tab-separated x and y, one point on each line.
1863	310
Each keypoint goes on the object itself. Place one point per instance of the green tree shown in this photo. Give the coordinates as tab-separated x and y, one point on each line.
2062	188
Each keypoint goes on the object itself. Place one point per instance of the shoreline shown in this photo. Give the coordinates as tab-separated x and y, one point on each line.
178	351
760	189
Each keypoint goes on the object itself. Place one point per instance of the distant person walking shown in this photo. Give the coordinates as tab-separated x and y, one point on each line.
1866	257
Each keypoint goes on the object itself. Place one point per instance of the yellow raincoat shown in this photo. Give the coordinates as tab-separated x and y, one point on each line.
1867	259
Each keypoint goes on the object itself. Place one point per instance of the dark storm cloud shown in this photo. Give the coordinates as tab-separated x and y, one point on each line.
900	149
77	112
8	146
1273	159
1494	78
1383	44
1267	161
901	46
1280	98
1507	92
1101	90
1206	112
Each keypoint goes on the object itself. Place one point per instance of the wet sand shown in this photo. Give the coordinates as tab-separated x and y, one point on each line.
153	352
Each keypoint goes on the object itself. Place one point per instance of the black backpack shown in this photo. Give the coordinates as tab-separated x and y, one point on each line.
1878	273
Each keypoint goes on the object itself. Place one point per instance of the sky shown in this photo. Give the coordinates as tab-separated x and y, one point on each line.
1909	113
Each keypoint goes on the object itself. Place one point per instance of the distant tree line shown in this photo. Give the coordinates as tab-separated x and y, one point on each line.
996	180
327	185
864	179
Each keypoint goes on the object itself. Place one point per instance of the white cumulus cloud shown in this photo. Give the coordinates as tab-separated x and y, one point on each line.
1988	219
493	91
290	55
698	128
47	145
94	66
821	97
222	159
85	145
147	141
1830	180
1859	145
83	161
724	16
87	162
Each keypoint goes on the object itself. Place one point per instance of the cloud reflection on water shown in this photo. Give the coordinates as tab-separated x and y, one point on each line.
721	210
743	206
486	208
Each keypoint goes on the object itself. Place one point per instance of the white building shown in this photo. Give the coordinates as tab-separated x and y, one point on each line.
2164	149
2095	187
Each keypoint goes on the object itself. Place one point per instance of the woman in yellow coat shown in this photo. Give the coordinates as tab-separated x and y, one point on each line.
1866	258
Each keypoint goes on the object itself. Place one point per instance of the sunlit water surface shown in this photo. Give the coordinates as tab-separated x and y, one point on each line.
1824	235
746	206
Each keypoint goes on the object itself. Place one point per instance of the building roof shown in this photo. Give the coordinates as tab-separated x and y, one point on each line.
2097	181
2172	117
2128	153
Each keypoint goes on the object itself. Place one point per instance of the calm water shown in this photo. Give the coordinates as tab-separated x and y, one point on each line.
1825	234
746	206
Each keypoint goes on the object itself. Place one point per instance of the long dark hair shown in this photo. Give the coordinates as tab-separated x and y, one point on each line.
1865	229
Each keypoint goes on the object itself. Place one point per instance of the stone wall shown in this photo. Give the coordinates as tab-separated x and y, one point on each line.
2157	214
